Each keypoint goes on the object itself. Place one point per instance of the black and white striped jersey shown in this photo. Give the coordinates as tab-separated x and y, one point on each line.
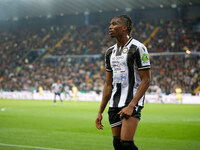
125	63
57	87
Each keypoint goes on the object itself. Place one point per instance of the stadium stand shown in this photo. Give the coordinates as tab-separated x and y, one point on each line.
76	55
175	36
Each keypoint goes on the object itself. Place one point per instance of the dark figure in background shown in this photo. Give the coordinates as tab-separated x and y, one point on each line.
127	79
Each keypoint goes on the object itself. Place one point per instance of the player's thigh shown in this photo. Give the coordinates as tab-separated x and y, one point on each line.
115	121
116	131
128	129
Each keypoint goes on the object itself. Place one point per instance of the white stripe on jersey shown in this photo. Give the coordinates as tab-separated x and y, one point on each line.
140	102
123	97
56	87
113	92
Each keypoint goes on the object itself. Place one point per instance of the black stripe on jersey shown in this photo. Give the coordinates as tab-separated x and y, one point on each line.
117	95
119	51
107	59
130	63
138	58
111	48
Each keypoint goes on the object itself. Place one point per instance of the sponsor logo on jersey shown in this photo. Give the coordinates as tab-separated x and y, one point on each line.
145	57
119	57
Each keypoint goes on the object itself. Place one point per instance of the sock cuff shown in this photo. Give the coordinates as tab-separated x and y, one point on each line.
127	141
116	137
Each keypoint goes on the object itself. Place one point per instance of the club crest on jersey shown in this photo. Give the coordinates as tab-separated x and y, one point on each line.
125	50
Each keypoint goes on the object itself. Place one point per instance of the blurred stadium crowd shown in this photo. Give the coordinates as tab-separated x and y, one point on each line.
88	73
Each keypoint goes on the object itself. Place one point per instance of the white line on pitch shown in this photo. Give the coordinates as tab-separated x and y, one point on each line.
33	147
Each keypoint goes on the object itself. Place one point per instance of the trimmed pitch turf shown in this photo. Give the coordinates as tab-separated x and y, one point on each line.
33	124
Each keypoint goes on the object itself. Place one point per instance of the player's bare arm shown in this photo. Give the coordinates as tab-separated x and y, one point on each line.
106	96
145	82
51	88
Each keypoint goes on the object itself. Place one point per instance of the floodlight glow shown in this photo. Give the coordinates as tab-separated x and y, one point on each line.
128	9
15	18
49	16
173	5
86	12
188	51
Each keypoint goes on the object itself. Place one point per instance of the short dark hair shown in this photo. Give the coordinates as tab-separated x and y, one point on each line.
127	21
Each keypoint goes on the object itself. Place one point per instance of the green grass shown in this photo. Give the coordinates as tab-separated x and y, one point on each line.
72	126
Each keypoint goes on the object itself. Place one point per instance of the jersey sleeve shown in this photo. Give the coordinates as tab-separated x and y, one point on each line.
142	58
107	60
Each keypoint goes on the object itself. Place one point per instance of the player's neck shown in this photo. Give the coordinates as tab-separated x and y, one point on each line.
121	41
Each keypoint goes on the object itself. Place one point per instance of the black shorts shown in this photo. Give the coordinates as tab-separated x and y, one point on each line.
57	94
114	117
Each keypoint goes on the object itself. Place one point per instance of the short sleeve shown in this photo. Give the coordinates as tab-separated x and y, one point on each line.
107	60
142	58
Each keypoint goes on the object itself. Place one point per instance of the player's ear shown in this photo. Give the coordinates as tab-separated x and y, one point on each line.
124	28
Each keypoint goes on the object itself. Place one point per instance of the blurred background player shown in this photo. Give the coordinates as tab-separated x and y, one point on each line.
178	94
41	91
66	91
74	90
159	94
57	89
32	89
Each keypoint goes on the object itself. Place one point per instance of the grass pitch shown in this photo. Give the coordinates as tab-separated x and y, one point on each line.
33	124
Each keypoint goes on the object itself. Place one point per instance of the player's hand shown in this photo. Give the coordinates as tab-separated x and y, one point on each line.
98	121
126	112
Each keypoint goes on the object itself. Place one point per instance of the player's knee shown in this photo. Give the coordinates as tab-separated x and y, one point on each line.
128	145
117	143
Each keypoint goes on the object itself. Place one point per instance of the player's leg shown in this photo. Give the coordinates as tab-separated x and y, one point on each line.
128	130
66	94
116	137
55	99
61	99
161	98
115	123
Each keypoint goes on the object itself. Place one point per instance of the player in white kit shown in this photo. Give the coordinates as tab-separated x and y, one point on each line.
57	89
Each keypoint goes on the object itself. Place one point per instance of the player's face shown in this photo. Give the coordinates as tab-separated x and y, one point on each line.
116	27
